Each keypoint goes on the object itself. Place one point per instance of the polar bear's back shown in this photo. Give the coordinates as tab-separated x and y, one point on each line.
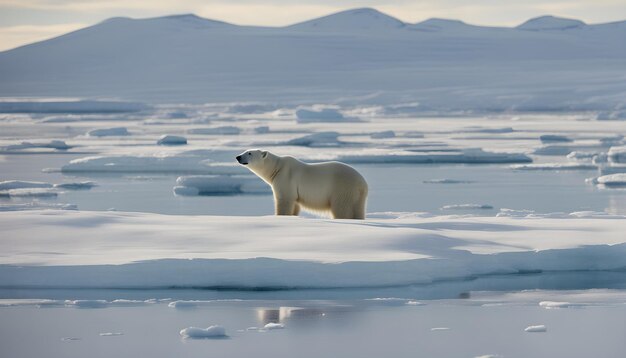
320	183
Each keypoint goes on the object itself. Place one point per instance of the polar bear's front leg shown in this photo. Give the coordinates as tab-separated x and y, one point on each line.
285	206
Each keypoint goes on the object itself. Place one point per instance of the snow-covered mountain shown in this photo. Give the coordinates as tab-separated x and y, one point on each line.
354	56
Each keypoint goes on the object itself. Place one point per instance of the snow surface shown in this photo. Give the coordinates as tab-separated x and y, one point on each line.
149	250
209	332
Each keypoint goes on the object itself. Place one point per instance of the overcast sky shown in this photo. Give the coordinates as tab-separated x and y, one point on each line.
26	21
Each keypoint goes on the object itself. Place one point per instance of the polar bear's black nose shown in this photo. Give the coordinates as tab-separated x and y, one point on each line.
238	158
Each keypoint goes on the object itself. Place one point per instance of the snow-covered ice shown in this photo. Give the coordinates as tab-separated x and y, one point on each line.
243	251
612	179
168	139
272	326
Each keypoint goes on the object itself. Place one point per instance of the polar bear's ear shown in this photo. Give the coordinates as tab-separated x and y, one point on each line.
264	154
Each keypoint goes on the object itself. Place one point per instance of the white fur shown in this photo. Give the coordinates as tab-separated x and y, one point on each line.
322	187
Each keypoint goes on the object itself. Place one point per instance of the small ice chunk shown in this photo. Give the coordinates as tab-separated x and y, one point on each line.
167	139
414	303
612	180
209	332
555	304
435	329
111	334
106	132
271	326
539	328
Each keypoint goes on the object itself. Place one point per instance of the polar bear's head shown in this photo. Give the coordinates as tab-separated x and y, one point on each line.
253	158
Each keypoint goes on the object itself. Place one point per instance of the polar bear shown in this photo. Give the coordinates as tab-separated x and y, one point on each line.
322	187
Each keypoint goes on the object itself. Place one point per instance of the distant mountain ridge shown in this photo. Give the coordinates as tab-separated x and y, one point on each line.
354	56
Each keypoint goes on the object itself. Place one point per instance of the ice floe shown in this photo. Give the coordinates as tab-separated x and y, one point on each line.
53	144
209	332
21	184
171	140
612	180
273	326
244	252
538	328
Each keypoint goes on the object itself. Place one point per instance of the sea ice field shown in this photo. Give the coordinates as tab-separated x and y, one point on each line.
495	159
479	226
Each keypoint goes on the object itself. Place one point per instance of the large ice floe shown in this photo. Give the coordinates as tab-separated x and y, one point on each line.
150	250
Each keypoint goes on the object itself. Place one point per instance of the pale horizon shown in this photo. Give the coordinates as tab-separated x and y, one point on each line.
24	22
